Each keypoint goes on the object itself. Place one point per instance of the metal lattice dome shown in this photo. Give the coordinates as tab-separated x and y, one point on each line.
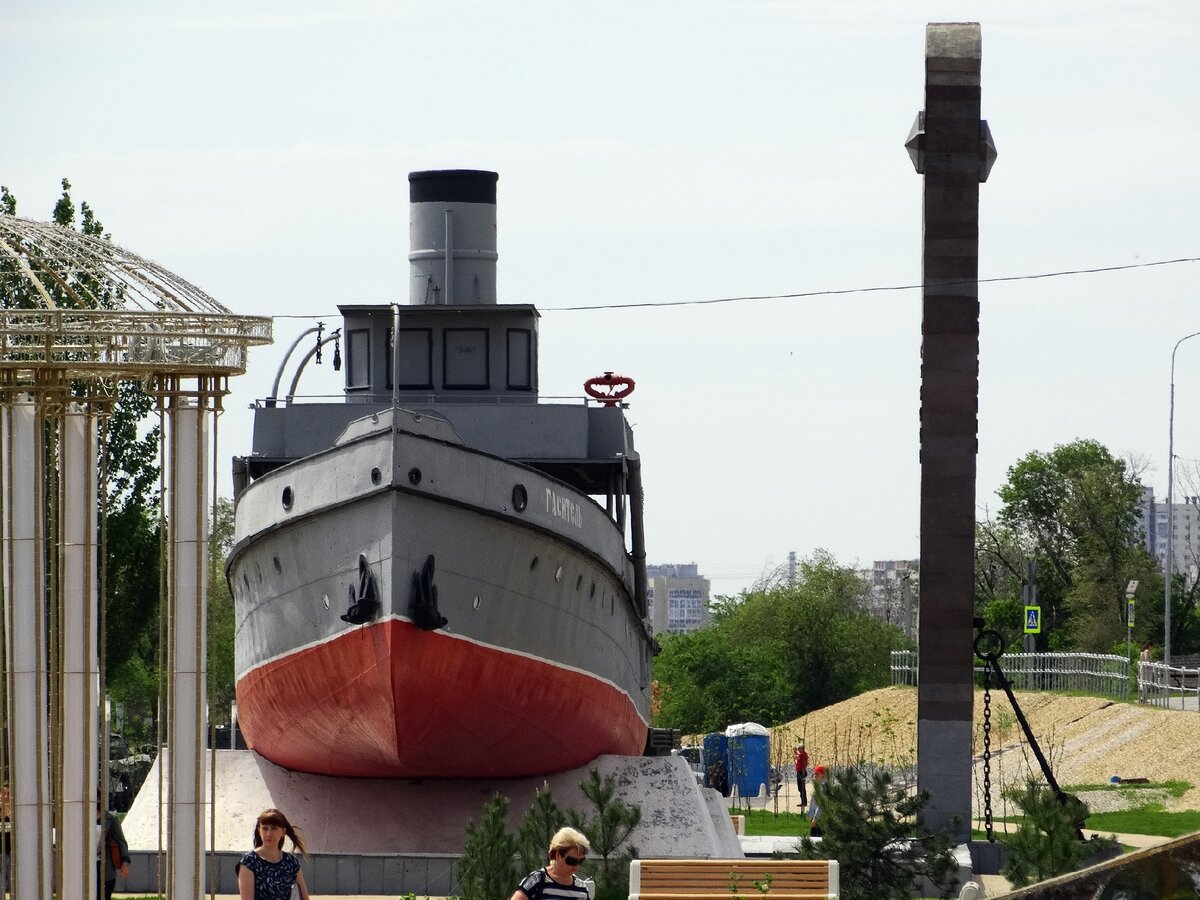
80	304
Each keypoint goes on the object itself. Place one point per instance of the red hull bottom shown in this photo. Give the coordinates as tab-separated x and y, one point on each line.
391	701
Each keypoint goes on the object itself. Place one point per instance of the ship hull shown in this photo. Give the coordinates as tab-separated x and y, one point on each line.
397	701
541	664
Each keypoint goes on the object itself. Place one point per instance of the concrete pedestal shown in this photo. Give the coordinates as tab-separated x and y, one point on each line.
389	836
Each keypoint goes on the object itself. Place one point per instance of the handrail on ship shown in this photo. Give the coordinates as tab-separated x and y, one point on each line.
430	399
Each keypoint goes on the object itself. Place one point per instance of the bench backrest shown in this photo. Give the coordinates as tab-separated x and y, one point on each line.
671	879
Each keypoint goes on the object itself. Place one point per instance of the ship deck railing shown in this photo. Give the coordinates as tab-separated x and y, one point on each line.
432	398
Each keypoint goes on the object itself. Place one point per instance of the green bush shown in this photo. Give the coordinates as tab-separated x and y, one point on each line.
1048	843
607	830
487	870
542	820
870	827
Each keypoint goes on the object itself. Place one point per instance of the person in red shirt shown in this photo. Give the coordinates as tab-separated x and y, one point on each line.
802	773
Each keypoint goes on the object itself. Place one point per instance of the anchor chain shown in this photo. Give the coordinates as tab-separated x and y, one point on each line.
988	646
987	756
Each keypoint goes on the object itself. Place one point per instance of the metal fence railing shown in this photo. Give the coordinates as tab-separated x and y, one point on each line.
904	667
1099	674
1169	686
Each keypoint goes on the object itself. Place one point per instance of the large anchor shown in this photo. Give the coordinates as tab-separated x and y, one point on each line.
423	608
364	602
989	647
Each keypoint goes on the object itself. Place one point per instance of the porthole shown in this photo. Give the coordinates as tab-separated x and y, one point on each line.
578	582
246	581
520	498
475	602
287	497
533	564
278	566
592	595
414	476
376	475
258	573
325	600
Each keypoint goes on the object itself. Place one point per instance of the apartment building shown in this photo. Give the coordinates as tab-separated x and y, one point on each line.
677	596
892	594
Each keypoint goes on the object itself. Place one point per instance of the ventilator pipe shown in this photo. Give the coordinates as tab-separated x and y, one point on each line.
337	335
274	395
637	534
448	293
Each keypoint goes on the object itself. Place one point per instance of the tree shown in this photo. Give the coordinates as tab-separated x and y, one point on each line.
775	654
870	827
1074	510
220	616
607	829
1047	842
486	870
709	680
999	576
542	820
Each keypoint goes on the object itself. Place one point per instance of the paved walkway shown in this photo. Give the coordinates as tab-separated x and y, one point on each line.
994	885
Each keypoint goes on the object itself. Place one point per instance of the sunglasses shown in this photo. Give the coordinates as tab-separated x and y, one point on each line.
573	860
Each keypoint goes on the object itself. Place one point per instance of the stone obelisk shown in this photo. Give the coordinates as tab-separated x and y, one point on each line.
952	149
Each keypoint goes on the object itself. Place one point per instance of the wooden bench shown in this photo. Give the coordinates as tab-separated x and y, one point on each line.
700	879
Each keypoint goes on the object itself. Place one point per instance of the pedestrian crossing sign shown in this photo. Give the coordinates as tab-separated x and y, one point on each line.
1033	620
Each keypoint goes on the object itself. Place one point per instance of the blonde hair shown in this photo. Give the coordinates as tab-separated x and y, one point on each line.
567	839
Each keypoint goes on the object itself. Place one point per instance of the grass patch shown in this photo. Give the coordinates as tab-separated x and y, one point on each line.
1175	788
763	822
1148	819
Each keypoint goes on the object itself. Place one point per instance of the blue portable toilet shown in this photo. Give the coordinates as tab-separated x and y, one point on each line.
747	753
716	750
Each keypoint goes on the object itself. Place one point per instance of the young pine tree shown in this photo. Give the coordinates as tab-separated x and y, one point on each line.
542	820
870	827
487	870
607	831
1047	842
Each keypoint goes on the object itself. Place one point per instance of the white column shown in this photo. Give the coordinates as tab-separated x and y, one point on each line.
80	655
22	546
188	539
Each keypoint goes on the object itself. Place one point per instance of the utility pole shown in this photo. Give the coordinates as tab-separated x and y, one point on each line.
1029	598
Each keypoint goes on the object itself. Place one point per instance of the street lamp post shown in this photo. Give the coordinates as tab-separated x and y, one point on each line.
1170	573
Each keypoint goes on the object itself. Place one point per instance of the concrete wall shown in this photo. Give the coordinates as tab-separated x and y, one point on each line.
431	875
385	836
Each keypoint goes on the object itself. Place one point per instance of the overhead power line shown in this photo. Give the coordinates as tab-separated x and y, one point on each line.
842	291
870	290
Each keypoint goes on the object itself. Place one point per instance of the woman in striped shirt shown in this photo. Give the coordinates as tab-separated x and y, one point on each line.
559	878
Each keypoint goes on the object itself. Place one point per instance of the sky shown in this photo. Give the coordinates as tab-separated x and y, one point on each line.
659	152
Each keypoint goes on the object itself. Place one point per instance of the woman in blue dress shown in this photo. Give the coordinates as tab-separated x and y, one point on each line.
267	872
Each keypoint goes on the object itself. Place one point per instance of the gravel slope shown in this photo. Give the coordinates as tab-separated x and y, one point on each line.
1086	739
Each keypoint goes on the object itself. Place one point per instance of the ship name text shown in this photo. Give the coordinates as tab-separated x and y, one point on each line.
564	508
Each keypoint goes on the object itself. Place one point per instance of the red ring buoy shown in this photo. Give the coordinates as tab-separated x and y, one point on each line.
609	388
